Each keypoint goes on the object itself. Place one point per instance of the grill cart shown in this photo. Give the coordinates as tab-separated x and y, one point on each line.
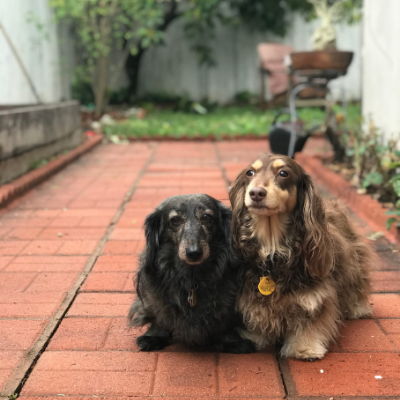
310	74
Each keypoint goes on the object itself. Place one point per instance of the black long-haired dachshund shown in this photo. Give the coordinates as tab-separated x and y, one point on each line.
189	278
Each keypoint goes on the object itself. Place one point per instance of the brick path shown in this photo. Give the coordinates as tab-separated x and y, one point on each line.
68	252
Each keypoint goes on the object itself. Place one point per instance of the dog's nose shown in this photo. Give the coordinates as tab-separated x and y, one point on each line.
194	253
257	193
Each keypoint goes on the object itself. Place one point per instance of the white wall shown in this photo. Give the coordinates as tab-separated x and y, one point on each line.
48	61
174	68
381	71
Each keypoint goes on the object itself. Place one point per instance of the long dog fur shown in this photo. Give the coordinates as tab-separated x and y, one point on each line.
167	275
319	263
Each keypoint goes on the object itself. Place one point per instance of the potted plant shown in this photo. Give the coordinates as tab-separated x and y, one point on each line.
325	54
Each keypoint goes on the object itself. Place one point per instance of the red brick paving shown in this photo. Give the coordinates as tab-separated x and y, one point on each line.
113	263
48	236
93	373
19	334
249	375
101	305
354	374
29	304
108	282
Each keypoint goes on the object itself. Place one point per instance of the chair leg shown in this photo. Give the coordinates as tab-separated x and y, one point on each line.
262	88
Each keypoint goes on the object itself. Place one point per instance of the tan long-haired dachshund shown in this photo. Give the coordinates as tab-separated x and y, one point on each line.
306	267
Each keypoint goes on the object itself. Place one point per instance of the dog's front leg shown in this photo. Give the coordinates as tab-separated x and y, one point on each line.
309	340
156	338
232	342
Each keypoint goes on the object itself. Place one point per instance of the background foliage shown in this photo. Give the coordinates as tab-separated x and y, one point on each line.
375	167
133	26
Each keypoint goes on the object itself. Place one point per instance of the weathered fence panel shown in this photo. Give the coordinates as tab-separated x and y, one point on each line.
173	68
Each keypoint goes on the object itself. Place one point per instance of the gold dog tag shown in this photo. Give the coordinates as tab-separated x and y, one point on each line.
266	285
192	298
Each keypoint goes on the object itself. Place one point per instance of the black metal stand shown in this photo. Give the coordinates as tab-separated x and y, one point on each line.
316	79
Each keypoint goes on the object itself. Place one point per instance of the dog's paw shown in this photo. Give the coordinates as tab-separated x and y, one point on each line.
152	343
357	311
241	346
310	352
245	346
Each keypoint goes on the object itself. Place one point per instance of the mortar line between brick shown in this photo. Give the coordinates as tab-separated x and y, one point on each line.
24	318
153	378
286	376
108	291
344	397
30	282
383	331
124	397
217	361
110	324
23	369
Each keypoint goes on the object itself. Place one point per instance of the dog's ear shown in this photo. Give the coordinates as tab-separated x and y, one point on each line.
236	192
153	231
224	222
236	197
317	246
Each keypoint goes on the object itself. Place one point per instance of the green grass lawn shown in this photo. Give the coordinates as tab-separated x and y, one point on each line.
221	121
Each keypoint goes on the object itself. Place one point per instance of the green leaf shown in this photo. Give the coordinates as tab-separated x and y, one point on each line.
146	42
394	164
390	221
373	178
396	187
363	149
393	180
393	212
381	149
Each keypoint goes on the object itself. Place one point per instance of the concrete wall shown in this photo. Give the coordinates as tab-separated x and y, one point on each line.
381	71
48	53
30	134
174	68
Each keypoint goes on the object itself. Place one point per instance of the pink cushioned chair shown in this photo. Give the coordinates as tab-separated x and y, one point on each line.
273	69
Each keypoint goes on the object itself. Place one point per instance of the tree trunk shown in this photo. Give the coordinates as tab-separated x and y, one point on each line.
132	67
101	84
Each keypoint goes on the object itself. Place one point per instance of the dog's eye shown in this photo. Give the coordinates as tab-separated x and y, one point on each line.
175	221
206	218
283	174
250	172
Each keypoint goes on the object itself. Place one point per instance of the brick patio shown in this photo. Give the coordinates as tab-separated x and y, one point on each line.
68	253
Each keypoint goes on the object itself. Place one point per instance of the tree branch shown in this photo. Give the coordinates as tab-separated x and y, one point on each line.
171	15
